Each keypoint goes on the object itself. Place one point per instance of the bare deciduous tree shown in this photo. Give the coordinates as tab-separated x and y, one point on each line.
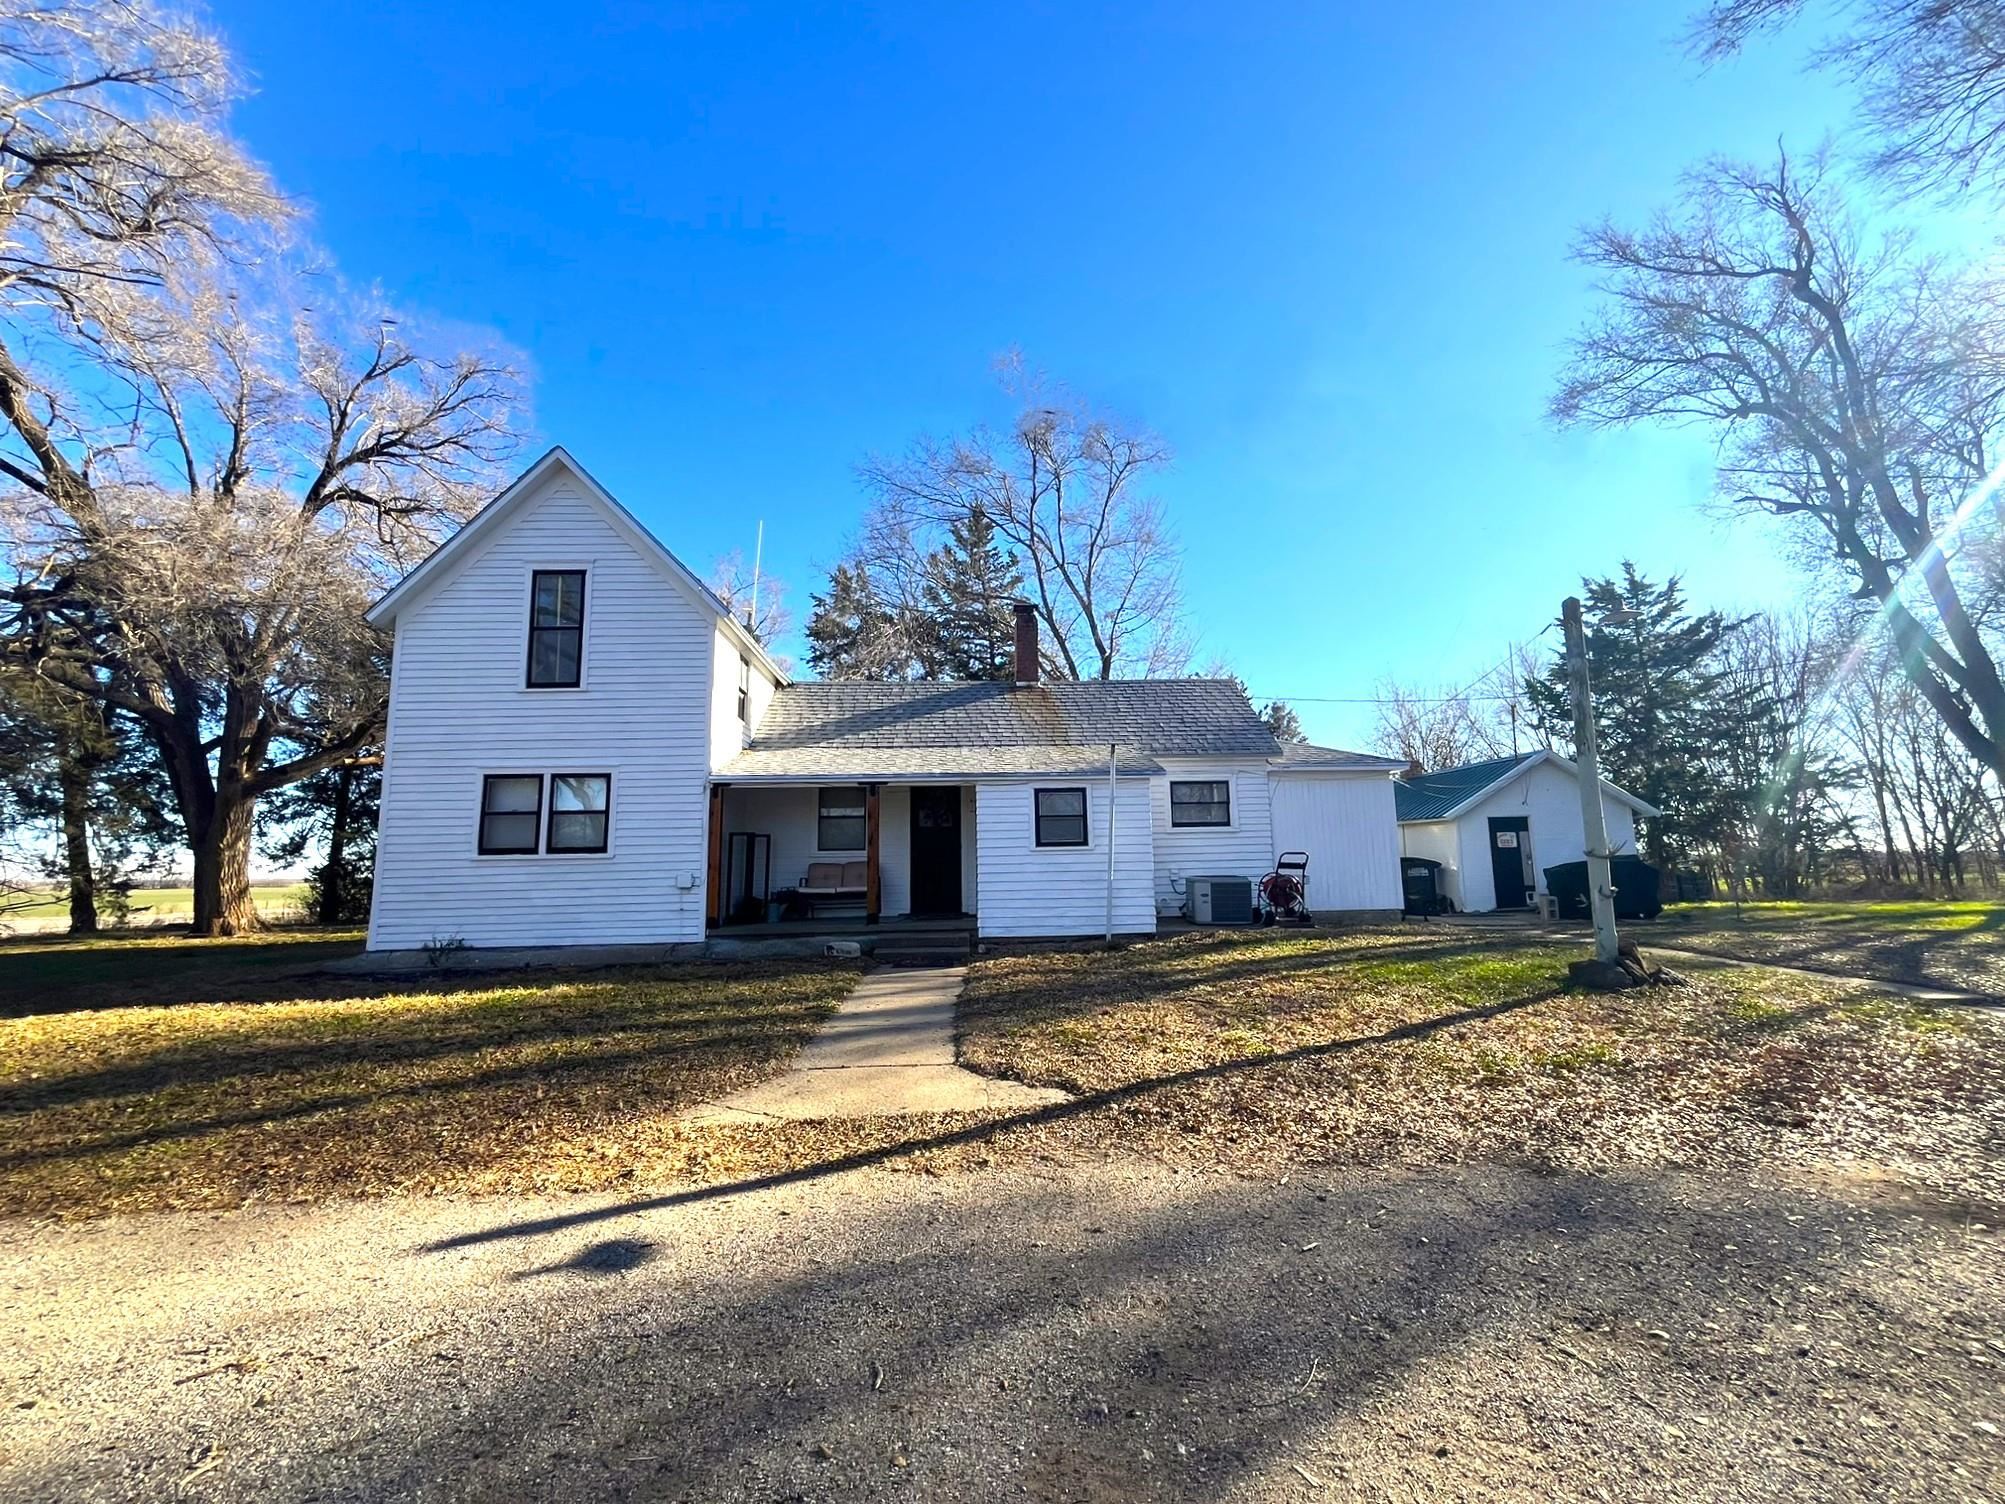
762	607
1851	385
1931	75
216	463
1066	490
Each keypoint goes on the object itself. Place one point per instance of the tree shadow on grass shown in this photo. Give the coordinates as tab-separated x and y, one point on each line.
1058	1112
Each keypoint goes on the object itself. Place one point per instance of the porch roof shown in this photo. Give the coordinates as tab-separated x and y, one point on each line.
853	764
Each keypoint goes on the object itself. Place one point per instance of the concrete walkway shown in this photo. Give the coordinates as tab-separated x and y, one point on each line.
889	1050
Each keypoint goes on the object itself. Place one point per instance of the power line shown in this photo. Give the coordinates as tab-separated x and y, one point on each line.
1381	699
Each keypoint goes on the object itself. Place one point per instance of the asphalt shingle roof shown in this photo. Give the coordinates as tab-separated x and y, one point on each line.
1155	717
859	764
1304	757
1432	795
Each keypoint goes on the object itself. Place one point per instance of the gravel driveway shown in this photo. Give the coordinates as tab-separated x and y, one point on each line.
1045	1331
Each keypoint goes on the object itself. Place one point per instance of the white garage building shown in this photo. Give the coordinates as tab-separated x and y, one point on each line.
1496	826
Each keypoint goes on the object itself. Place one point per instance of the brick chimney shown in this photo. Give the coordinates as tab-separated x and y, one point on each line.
1026	643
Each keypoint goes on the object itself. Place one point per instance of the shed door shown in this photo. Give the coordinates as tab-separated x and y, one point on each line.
1511	861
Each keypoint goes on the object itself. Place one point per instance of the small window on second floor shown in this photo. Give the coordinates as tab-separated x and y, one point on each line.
745	689
556	628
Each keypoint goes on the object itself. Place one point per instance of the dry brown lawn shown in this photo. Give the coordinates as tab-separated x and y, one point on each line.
1442	1044
300	1087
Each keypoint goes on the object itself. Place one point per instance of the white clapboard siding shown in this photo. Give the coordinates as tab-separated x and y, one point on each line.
1348	825
459	709
728	734
1243	849
1027	889
1548	798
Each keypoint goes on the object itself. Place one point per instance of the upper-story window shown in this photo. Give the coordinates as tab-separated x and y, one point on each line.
744	689
556	628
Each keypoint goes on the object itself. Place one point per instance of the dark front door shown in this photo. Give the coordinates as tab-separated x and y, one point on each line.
936	851
1511	861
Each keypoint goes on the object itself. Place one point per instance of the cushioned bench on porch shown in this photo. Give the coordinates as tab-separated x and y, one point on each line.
834	882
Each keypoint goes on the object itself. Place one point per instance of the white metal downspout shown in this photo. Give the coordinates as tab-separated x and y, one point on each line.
1111	789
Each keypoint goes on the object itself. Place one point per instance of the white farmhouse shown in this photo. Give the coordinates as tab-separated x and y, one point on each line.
585	747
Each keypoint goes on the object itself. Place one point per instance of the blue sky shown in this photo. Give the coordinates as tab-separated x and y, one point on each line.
1320	249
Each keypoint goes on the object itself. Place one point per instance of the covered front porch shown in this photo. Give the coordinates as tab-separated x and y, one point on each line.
799	858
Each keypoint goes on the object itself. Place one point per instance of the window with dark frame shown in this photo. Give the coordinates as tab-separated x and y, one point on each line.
1201	802
840	820
1061	817
580	812
556	629
744	689
511	809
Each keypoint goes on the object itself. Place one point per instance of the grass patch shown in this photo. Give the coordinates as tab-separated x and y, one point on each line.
171	903
1928	942
303	1088
1449	1044
53	973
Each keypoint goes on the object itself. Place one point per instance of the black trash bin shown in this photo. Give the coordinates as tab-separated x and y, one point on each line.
1421	880
1636	889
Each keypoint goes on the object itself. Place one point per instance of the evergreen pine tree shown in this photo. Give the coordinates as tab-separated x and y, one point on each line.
1657	701
1283	722
969	626
851	635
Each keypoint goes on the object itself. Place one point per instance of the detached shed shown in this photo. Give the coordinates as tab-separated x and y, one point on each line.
1496	826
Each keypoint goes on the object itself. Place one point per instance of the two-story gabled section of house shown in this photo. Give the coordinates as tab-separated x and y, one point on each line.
586	747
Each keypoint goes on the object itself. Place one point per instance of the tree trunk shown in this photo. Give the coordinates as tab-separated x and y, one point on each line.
75	779
223	868
334	876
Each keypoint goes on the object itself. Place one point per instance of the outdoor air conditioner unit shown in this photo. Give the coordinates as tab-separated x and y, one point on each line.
1218	900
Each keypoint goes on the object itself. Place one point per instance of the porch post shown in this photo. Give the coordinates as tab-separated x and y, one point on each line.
714	885
871	894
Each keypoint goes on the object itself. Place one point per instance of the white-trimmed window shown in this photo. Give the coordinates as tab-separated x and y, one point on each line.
840	820
580	811
511	809
1201	802
1060	816
556	629
744	689
514	820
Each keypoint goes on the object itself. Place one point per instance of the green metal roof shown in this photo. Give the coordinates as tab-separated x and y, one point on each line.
1431	796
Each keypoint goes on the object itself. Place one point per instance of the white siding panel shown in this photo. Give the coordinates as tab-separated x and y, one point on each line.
1027	889
459	709
1348	825
1244	849
728	734
1548	797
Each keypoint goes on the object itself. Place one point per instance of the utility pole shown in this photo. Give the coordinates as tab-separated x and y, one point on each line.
1587	759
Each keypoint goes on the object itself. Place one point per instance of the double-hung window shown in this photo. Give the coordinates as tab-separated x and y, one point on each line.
556	629
580	804
1061	817
744	689
511	809
514	822
839	820
1206	802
